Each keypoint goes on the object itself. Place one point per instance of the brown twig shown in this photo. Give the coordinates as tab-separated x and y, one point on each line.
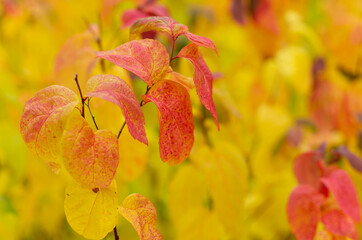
80	93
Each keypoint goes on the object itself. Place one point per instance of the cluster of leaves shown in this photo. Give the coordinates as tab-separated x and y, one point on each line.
325	194
60	136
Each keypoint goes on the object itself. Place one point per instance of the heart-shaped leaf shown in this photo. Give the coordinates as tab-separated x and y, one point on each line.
91	212
91	158
43	119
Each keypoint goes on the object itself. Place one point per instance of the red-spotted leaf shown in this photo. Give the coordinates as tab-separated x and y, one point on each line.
169	26
202	77
43	119
176	121
303	211
201	41
146	58
343	190
338	223
114	89
91	158
352	158
309	168
141	213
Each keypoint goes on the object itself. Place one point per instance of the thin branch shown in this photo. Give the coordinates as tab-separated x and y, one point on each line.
120	131
116	237
90	112
81	95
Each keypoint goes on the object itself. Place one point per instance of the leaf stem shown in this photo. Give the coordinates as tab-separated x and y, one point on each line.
90	112
141	104
116	237
172	49
81	95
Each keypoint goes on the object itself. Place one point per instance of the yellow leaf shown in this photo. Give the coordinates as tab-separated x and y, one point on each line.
141	213
91	213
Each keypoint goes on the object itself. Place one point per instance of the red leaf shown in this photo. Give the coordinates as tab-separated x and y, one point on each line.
343	190
338	223
112	88
201	41
176	120
146	58
308	168
130	16
202	78
170	26
91	158
303	211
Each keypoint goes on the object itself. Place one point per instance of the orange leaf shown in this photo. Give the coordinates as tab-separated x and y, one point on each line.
43	119
338	223
141	213
114	89
171	27
343	190
202	78
303	211
308	168
176	120
187	82
91	158
146	58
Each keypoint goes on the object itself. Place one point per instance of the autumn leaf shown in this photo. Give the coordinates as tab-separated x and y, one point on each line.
202	78
91	212
43	119
146	58
308	168
171	27
91	158
338	223
114	89
343	190
187	82
303	211
141	213
176	136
